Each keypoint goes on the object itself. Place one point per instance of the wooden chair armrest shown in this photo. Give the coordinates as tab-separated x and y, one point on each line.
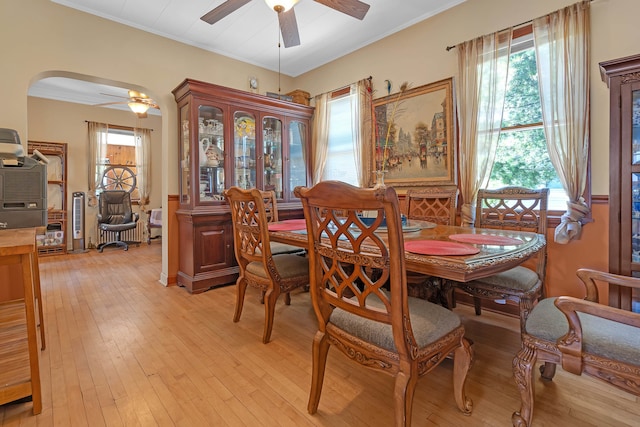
589	277
571	344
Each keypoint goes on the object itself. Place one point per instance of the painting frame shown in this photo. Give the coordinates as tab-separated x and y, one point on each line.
401	135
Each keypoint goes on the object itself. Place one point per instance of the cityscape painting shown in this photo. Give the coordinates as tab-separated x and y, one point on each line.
413	136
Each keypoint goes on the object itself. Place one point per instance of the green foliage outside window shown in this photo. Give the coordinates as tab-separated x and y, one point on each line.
521	157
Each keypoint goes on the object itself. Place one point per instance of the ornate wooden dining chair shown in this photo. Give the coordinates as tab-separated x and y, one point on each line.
512	208
583	337
272	274
350	266
437	205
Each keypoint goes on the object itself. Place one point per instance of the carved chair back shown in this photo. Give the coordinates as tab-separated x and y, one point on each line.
436	204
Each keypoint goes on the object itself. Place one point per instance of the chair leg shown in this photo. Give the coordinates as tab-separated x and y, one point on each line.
462	360
319	352
241	289
404	389
287	298
270	299
477	304
547	371
523	375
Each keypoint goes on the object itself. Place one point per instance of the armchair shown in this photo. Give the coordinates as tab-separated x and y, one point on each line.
584	337
115	215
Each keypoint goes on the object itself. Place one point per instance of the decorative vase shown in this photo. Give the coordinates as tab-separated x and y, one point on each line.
379	180
202	154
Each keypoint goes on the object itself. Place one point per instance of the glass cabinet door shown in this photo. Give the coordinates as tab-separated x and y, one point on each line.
630	185
211	153
244	149
297	155
184	155
272	142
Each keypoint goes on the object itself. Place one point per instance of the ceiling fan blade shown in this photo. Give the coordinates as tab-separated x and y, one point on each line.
289	28
223	10
354	8
115	96
133	94
110	103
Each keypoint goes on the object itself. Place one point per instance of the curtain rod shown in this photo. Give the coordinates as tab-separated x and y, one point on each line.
343	87
448	48
120	126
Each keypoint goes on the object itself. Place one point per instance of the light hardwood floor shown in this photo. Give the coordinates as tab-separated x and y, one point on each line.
124	350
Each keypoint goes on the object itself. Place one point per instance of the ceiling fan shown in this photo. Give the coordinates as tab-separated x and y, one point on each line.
286	15
138	102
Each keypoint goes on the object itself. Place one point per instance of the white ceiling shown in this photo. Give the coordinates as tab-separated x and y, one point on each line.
249	34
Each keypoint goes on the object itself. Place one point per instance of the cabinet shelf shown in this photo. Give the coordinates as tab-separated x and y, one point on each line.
54	242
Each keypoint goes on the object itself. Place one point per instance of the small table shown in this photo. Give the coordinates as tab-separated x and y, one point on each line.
154	220
20	375
490	260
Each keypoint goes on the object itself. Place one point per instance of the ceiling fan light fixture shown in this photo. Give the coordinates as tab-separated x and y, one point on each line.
281	5
138	107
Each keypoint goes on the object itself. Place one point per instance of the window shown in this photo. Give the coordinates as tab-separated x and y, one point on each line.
521	156
341	155
118	171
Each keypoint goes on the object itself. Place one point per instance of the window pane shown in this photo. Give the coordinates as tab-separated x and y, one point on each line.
341	164
521	157
118	169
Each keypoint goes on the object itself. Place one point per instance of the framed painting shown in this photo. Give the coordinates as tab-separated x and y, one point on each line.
413	137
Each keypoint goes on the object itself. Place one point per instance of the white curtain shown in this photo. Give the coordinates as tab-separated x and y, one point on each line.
142	138
482	81
361	127
320	136
97	154
562	53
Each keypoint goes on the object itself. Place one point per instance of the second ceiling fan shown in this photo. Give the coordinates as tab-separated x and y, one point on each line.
286	15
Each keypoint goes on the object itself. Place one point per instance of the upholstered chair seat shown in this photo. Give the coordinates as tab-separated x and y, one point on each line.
288	266
430	322
601	337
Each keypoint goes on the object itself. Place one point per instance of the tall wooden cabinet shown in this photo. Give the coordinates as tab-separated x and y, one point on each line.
623	78
229	137
54	242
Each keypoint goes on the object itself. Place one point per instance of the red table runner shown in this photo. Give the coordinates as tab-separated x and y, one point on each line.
485	239
439	247
288	225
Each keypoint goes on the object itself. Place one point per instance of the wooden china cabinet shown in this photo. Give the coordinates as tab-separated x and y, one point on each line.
623	78
229	137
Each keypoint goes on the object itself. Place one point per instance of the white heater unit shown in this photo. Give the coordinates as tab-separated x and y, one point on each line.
77	230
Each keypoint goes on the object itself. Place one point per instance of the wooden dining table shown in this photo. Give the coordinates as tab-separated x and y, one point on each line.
490	258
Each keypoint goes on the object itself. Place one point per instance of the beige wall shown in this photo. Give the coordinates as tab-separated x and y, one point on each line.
40	38
418	55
